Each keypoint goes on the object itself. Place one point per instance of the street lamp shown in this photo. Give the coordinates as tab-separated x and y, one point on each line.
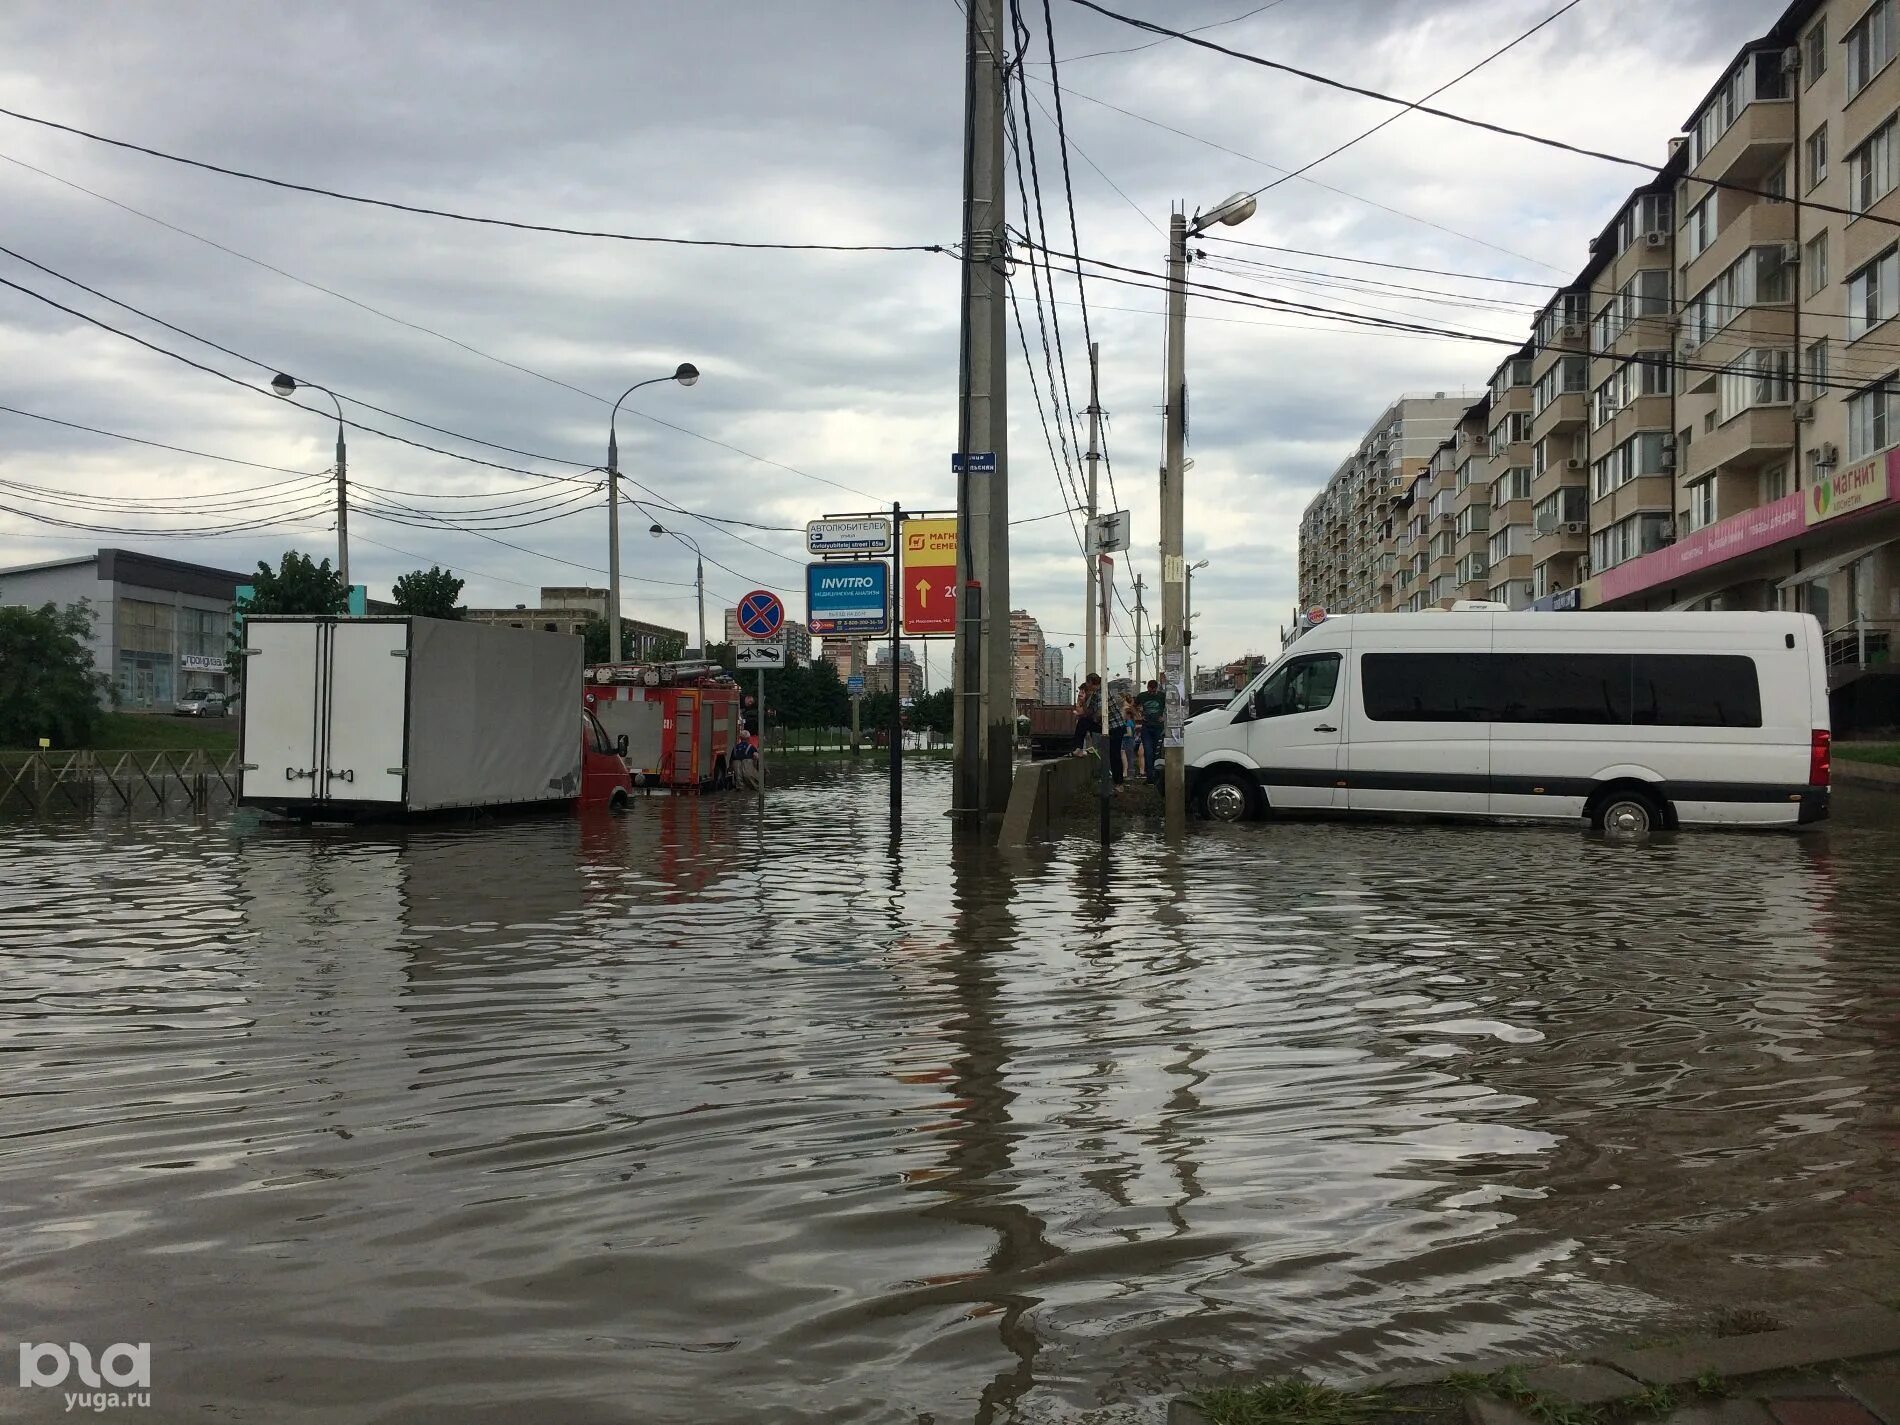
284	385
699	575
686	375
1187	622
1174	571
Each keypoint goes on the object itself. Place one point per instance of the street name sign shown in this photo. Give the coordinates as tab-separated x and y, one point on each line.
930	577
848	598
979	462
852	536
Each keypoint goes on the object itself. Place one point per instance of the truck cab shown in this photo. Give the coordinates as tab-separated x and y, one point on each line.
605	780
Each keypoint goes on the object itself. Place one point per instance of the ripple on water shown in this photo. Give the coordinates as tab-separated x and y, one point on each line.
713	1114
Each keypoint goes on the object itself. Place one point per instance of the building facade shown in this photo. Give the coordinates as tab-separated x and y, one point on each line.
567	608
1026	652
796	635
909	678
1056	689
1706	416
1348	540
162	627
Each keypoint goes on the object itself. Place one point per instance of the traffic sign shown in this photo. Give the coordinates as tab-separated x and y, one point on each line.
760	655
859	536
761	614
930	577
848	598
980	462
854	685
1109	533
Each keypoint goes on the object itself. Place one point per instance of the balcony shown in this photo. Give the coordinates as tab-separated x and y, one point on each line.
1476	542
1559	475
1758	225
1568	412
1758	140
1753	438
1648	494
1558	538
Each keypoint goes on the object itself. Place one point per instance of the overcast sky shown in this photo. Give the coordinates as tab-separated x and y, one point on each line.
780	120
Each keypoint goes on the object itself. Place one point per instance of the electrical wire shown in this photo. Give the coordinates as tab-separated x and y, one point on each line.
516	224
156	444
1485	125
1198	29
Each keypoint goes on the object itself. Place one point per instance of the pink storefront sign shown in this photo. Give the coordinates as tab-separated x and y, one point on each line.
1722	541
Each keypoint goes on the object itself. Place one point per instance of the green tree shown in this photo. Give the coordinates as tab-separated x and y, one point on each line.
48	686
298	586
670	649
432	593
594	636
932	712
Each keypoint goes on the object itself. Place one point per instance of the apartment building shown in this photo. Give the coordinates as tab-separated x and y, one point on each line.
1707	414
1350	533
1026	650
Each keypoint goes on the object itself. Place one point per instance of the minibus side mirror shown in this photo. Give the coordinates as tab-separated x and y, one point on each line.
620	745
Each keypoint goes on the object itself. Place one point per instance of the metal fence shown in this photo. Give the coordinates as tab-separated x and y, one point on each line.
50	780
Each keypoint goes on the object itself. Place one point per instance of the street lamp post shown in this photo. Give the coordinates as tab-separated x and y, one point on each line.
1234	210
284	385
1187	621
686	375
699	575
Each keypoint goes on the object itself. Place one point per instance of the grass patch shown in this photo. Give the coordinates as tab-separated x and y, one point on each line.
136	732
1290	1400
1887	754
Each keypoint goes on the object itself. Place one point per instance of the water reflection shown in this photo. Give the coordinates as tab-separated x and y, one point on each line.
729	1111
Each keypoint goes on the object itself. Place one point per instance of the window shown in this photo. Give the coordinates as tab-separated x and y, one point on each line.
1775	186
1442	544
1654	367
1698	231
1513	484
1642	454
1870	169
1755	378
1570	309
1304	685
1474	519
1814	262
1759	276
1814	51
1515	426
1568	375
1814	361
1815	156
1871	293
1579	689
1869	46
1774	483
1870	419
1702	505
1627	539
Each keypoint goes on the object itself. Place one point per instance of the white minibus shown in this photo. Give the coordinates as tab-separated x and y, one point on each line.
1635	721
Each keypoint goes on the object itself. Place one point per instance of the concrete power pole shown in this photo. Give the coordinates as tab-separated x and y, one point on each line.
985	705
1139	611
1089	559
1173	520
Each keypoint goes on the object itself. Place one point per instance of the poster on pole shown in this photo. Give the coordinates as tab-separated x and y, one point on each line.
1174	686
930	577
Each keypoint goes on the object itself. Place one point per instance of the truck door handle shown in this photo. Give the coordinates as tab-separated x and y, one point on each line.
1324	727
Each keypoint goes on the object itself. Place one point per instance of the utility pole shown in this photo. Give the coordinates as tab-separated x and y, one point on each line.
1139	611
985	708
342	507
1088	527
1173	662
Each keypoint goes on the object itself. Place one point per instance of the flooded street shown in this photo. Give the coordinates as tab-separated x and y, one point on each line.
703	1114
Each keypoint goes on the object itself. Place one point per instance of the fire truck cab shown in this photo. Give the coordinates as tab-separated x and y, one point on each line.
677	721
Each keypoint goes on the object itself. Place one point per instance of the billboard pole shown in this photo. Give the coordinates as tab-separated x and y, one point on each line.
897	702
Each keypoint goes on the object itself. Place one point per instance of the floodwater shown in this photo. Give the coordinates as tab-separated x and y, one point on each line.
708	1114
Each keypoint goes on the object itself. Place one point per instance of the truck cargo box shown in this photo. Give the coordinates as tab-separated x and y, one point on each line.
392	715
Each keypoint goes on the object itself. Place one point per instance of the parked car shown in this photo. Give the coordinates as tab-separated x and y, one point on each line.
200	703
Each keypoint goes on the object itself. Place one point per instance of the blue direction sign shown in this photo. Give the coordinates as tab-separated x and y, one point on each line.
761	614
854	684
848	598
980	462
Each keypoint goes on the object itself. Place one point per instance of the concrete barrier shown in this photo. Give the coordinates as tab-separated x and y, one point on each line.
1044	794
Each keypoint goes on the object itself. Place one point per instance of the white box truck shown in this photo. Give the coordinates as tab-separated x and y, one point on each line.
353	717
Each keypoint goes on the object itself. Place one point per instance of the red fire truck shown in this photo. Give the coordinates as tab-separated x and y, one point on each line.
679	720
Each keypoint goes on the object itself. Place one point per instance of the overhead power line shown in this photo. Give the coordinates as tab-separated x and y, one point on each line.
1485	125
457	342
157	444
417	208
1198	29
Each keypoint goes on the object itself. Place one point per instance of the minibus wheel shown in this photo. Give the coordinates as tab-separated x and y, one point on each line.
1627	811
1227	794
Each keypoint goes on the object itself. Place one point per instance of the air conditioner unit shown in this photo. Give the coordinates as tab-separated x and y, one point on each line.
1790	60
1576	527
1790	254
1804	410
1669	442
1583	569
1687	346
1656	239
1667	463
1570	331
1829	454
1667	534
1573	464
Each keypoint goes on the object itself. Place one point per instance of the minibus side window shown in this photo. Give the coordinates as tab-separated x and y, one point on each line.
1302	686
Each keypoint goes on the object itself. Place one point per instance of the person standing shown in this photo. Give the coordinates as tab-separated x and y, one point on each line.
1117	738
1154	717
1088	713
